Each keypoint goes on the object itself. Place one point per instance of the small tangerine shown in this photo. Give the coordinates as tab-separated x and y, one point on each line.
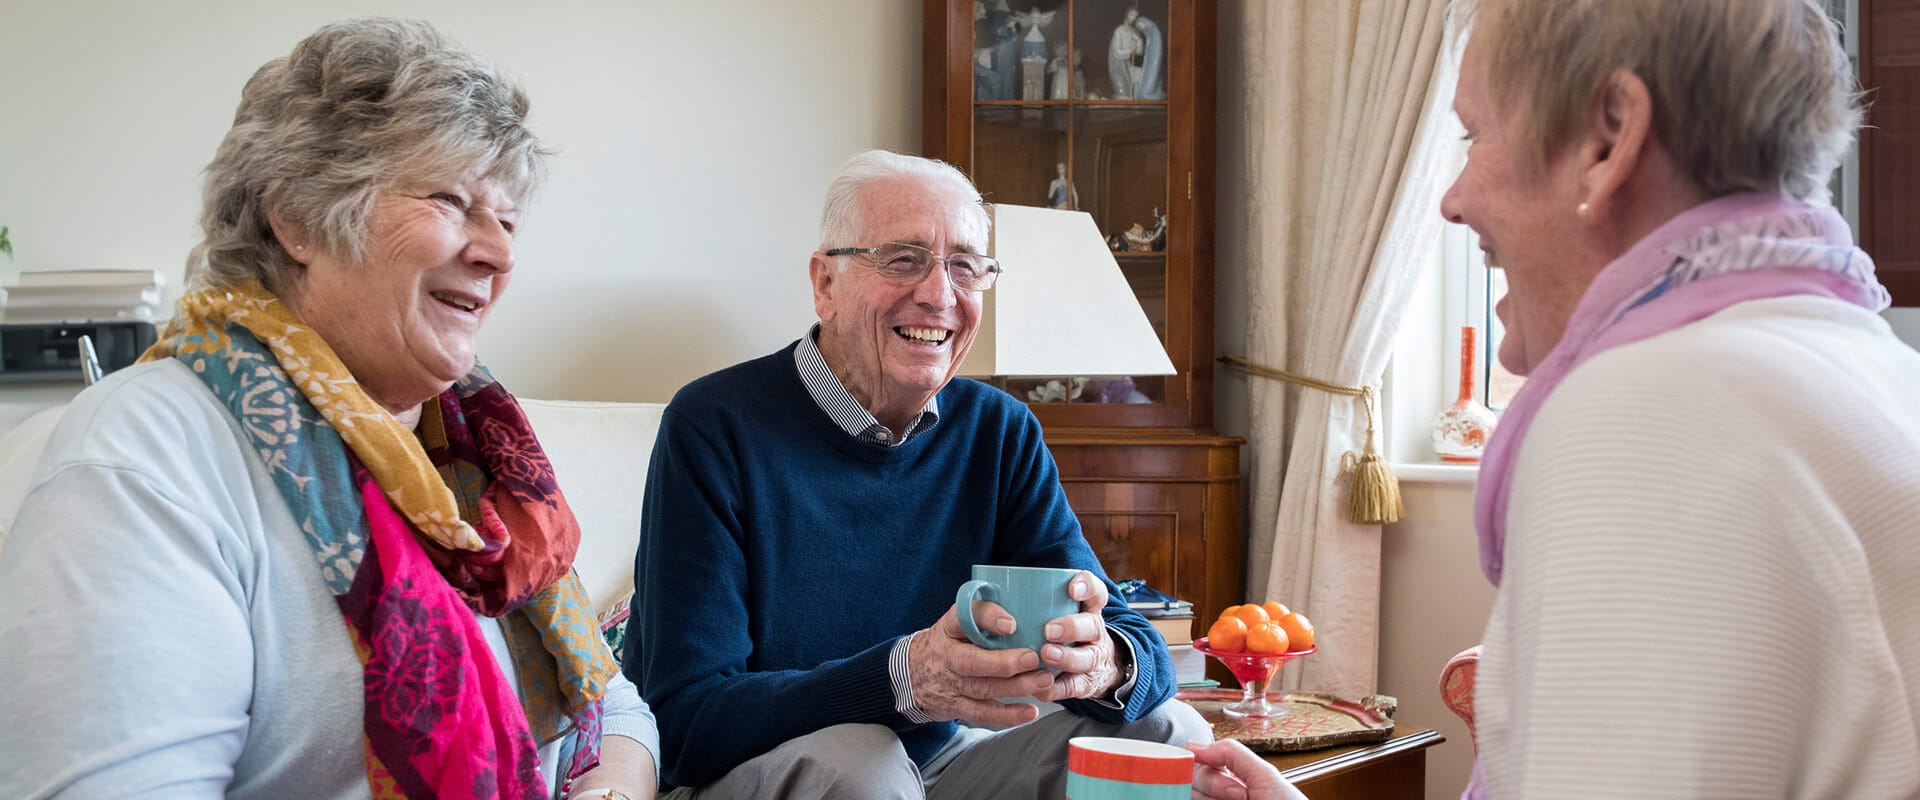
1228	635
1267	638
1251	614
1299	630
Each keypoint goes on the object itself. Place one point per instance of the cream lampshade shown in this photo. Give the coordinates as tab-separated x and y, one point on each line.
1062	307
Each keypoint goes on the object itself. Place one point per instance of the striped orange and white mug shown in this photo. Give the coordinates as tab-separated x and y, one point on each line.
1104	768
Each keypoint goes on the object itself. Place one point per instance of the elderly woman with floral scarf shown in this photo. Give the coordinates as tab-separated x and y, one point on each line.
310	548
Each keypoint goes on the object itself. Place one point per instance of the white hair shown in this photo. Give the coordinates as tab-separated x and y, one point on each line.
842	219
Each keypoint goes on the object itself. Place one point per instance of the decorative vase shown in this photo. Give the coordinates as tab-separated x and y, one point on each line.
1461	431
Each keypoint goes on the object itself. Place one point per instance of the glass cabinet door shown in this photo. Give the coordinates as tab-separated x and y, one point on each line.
1070	111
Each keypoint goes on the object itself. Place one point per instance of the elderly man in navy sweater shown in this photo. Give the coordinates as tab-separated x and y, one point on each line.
809	515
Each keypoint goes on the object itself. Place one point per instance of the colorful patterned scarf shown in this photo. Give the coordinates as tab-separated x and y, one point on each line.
413	537
1730	250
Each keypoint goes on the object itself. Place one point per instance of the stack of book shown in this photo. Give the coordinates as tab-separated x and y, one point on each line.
1174	619
87	295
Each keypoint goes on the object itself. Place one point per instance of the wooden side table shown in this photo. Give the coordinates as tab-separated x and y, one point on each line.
1395	769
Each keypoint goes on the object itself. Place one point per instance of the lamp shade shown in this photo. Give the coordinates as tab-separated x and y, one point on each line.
1062	307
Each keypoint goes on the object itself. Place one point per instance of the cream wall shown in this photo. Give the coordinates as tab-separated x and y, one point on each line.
693	143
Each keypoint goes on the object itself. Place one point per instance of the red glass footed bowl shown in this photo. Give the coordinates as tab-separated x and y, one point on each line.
1254	671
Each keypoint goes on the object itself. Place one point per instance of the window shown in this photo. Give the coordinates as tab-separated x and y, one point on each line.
1470	291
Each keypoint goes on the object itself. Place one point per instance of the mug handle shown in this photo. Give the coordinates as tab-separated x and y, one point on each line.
963	609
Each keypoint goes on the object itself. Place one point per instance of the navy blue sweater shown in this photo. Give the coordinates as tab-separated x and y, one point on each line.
781	558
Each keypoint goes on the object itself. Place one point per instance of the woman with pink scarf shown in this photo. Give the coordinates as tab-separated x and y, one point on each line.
1703	510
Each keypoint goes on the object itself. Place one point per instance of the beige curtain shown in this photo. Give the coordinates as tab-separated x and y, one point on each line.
1331	102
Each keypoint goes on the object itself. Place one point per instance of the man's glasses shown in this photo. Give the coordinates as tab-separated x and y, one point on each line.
909	263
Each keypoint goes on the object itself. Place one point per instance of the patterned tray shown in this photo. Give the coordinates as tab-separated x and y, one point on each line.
1312	721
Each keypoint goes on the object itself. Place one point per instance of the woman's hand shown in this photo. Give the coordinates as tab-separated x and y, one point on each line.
1227	770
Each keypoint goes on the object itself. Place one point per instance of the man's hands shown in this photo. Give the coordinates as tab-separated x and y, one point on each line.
1079	646
954	679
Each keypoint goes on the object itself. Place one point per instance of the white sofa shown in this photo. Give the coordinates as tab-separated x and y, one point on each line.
599	453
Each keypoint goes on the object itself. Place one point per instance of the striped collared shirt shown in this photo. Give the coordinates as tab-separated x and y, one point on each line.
833	397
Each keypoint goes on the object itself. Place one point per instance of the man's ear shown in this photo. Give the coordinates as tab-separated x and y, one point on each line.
1616	140
293	237
823	273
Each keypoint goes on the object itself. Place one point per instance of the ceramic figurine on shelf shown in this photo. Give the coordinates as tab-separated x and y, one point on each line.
1060	192
983	73
1057	71
1079	90
1033	78
1120	390
997	62
1150	85
1033	54
1126	43
1141	240
1033	44
1058	391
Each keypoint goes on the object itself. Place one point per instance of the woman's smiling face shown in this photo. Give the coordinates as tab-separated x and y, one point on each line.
403	321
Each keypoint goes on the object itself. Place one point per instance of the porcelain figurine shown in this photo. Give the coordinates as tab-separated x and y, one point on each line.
1057	72
1141	240
1125	44
1151	84
1060	192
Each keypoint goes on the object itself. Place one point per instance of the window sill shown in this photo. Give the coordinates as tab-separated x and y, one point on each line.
1436	473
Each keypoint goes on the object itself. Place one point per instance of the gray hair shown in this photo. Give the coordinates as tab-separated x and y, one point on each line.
843	217
1748	95
358	107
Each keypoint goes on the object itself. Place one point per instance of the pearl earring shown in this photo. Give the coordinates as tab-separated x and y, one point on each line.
1582	210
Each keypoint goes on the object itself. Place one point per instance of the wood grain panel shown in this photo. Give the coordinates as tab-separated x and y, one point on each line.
1890	145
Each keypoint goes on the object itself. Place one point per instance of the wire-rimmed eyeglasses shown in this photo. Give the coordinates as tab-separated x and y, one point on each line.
909	264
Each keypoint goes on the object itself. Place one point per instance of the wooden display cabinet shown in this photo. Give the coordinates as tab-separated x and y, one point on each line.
1157	491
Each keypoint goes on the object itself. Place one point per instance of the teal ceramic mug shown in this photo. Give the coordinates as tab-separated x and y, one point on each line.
1033	595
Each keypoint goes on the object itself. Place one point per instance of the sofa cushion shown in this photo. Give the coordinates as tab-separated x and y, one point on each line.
600	453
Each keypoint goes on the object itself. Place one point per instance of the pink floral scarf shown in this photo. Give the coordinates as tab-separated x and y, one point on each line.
414	536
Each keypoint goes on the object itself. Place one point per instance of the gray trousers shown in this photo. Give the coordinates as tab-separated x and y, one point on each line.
867	761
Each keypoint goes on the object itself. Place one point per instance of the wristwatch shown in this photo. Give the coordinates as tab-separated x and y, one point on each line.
600	794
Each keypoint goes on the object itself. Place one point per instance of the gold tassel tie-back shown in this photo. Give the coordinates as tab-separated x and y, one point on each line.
1373	492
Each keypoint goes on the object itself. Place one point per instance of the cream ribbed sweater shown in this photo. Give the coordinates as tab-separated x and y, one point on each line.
1712	582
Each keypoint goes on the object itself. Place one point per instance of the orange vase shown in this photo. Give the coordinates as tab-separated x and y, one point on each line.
1461	431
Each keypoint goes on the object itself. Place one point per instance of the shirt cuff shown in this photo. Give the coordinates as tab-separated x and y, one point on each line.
1125	690
897	669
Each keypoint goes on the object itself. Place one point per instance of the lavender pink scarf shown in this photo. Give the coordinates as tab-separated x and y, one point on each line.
1729	250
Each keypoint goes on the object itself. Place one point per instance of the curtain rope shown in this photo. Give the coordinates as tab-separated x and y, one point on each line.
1373	492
